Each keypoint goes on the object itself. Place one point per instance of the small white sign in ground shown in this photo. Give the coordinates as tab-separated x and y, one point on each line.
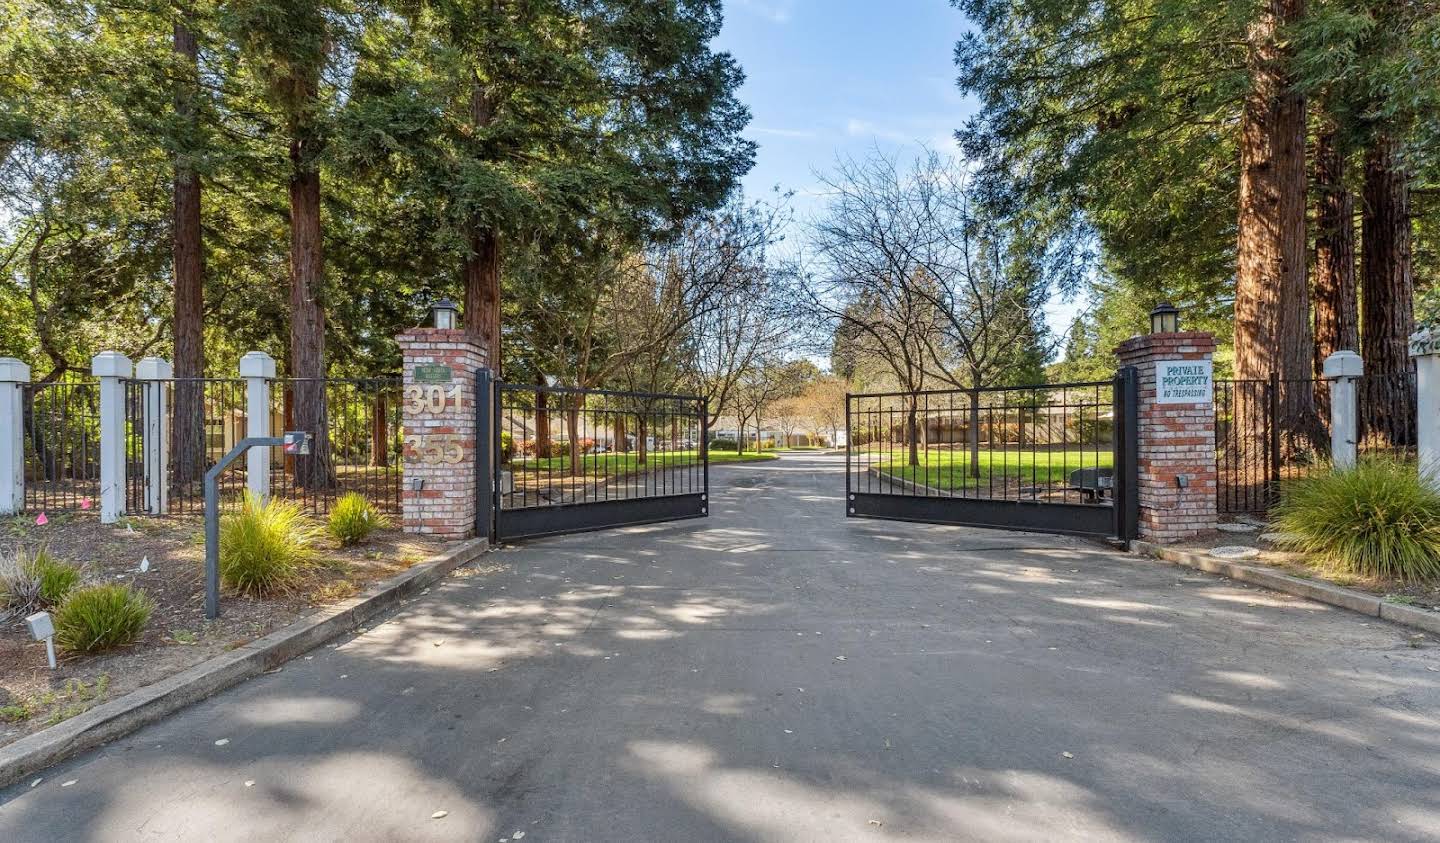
1184	382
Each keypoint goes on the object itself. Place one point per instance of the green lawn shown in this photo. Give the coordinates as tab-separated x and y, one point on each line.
951	469
613	464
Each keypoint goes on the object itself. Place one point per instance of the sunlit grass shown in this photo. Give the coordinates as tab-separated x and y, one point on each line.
616	463
951	470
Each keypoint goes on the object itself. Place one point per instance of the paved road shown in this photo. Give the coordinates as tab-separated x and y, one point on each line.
778	673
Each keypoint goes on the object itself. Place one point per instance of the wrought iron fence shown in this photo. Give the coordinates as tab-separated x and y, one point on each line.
205	418
1268	431
357	447
358	441
1050	443
61	420
571	446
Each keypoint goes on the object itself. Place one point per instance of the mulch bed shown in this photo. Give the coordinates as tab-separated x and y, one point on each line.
178	636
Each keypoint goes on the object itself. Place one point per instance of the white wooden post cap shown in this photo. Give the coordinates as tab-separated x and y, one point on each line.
154	369
257	364
110	364
14	371
1343	364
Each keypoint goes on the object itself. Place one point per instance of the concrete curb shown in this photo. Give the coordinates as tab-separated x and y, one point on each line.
1333	595
119	717
911	486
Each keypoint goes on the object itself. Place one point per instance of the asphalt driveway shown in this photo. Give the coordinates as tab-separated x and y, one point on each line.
776	672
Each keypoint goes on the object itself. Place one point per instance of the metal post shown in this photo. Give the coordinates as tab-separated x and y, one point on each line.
112	368
849	446
212	517
488	456
258	369
1274	429
705	450
1127	454
13	376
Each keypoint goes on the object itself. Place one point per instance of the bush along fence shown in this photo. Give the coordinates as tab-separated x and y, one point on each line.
1272	430
134	439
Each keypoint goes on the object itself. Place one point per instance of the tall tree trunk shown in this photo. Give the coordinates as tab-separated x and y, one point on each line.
1387	285
481	269
1272	301
307	319
642	447
572	433
380	432
482	291
912	431
542	420
1333	281
187	429
1336	319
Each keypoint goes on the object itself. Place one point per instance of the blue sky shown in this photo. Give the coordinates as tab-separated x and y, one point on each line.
828	78
833	77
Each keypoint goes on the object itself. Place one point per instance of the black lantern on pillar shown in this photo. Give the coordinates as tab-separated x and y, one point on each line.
1165	318
443	314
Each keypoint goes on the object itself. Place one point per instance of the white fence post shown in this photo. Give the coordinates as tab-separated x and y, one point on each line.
112	368
13	375
1425	348
155	432
1343	369
258	369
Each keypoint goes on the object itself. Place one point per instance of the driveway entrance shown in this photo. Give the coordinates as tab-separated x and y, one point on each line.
777	673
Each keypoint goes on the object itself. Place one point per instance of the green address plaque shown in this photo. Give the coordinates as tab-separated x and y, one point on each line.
432	373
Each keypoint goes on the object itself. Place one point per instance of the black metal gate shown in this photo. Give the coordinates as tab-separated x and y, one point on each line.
1056	458
567	460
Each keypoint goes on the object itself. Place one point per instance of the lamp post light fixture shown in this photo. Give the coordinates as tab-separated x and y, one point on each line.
42	628
443	314
1165	318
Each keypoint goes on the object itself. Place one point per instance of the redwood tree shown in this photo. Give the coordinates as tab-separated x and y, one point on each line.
1272	313
1336	320
1388	315
188	430
287	46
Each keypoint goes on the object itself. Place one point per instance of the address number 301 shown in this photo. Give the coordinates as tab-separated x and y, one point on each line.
431	399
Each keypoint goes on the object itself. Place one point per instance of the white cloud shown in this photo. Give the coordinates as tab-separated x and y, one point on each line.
775	11
783	133
936	133
865	129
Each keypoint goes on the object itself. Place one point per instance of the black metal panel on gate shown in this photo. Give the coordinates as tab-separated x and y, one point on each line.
533	522
487	452
568	460
1046	457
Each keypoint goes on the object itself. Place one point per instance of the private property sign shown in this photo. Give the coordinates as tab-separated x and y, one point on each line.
1184	381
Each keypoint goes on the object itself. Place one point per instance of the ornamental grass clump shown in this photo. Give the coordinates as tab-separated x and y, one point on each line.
57	579
354	518
1378	519
30	581
264	546
98	617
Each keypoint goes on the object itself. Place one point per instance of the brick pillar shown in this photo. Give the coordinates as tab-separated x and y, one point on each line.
1176	433
438	489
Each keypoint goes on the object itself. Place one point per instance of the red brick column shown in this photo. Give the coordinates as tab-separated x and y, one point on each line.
1175	435
438	488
